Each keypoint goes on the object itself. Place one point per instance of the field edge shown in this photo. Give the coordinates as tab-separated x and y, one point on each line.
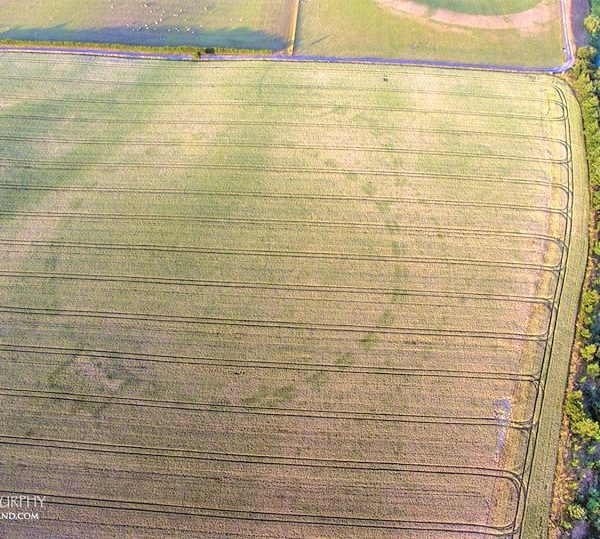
537	509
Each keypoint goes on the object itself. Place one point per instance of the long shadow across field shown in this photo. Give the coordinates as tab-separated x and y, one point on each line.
150	35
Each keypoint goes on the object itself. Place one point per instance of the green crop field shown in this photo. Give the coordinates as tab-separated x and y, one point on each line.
247	24
417	31
274	299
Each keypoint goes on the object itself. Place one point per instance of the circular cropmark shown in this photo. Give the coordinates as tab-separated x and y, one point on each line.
481	7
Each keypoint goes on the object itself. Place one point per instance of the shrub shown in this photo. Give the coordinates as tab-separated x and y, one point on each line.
575	511
592	24
588	352
581	424
593	370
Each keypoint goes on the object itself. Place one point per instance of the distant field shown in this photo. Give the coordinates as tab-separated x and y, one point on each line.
275	299
416	31
248	24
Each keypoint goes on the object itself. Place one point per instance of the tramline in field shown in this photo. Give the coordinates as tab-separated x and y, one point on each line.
302	298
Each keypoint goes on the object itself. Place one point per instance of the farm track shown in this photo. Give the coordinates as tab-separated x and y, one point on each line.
300	64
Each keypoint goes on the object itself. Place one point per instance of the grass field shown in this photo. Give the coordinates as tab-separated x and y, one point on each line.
509	33
246	24
284	299
479	7
373	28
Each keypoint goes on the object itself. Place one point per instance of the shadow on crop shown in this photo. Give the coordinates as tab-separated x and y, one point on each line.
153	36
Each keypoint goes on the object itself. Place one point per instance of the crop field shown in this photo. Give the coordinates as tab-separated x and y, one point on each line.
244	299
482	32
247	24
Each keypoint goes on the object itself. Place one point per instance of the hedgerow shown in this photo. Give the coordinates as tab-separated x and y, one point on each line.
582	405
193	52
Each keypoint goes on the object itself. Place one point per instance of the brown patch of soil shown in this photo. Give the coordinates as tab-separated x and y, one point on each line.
529	21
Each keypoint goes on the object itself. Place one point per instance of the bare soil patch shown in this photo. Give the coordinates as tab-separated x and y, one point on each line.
531	20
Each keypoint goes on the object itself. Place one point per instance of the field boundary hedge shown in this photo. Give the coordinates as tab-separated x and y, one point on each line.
581	514
195	53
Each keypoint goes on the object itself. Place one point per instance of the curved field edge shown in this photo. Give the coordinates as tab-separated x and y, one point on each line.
544	458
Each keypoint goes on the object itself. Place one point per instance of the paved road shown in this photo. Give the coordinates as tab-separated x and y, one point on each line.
568	48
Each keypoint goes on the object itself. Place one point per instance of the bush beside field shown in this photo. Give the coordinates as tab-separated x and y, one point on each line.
582	406
194	52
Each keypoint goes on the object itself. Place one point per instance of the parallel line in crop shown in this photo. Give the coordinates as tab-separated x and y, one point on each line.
373	90
134	475
274	324
277	145
33	164
288	105
287	125
171	359
290	146
396	293
396	301
169	531
552	268
260	459
299	196
391	469
112	400
286	223
276	517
